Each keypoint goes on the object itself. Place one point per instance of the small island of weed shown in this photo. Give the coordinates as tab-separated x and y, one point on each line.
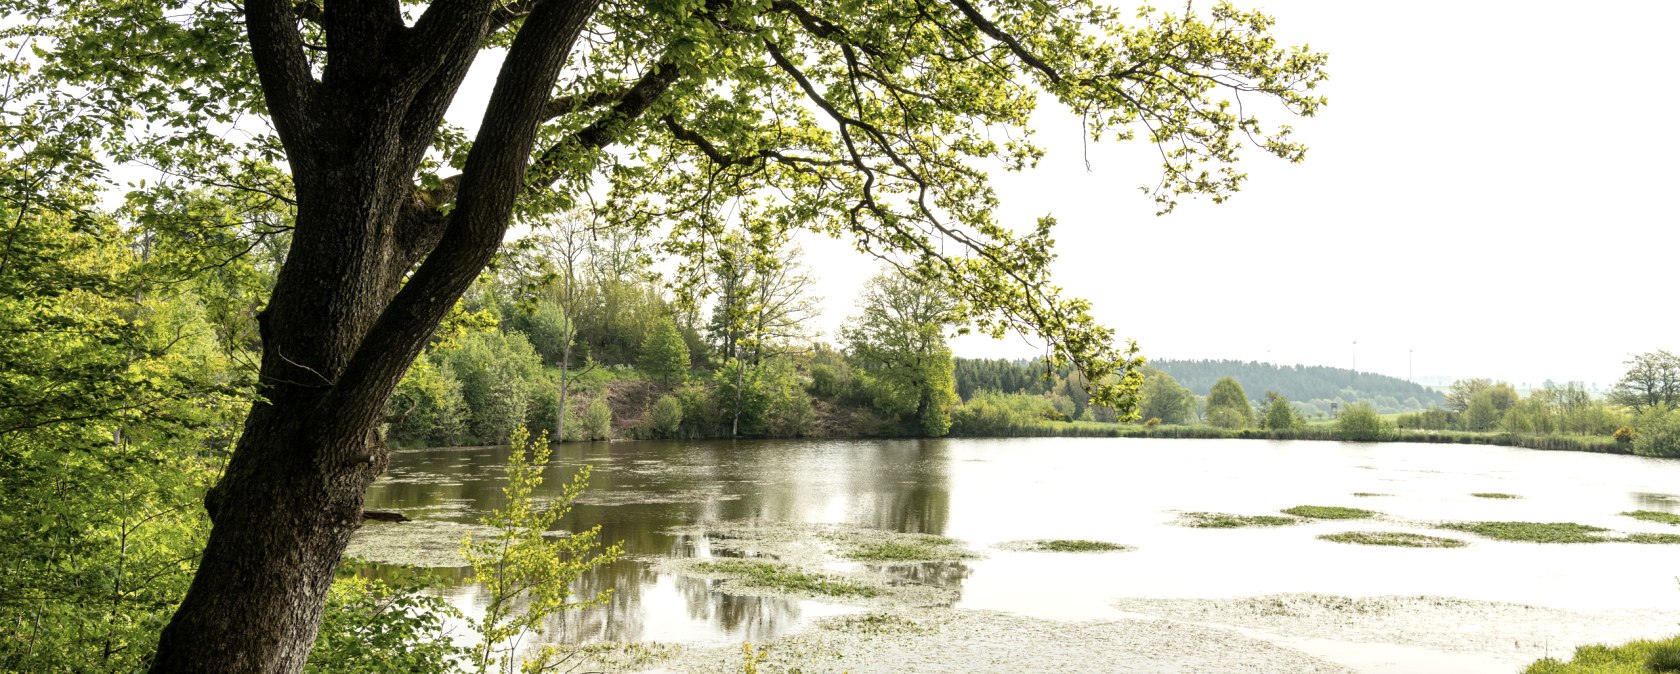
1329	512
1399	539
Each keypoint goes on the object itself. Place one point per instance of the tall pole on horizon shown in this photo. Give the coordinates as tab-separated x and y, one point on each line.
1409	364
1356	356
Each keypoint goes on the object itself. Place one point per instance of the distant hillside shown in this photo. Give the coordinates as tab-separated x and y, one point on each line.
1300	382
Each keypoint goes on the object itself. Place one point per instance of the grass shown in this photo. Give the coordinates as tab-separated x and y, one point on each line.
1329	512
784	577
1494	495
1533	532
1229	521
1654	516
1320	431
1393	538
1637	657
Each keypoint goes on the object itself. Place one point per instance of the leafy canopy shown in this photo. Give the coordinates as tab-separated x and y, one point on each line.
876	120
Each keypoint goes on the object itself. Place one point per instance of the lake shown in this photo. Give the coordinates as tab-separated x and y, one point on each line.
657	497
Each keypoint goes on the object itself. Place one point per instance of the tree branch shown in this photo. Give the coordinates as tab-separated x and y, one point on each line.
491	182
288	86
1021	52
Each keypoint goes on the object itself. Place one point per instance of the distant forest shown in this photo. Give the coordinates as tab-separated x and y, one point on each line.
1315	391
1298	382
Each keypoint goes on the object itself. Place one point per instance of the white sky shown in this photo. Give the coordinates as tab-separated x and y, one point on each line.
1491	188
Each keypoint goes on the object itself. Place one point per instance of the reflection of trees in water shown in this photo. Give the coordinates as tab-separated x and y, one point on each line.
745	617
937	574
1667	503
892	485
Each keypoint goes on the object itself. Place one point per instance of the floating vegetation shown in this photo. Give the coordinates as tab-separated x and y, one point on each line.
1399	539
819	543
778	576
1534	532
1494	495
871	545
1064	545
424	543
1369	494
1654	516
1230	521
1329	512
876	624
1653	539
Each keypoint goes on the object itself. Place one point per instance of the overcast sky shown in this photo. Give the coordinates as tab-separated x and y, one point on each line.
1489	193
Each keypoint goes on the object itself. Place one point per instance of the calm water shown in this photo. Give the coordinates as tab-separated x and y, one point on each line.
1124	490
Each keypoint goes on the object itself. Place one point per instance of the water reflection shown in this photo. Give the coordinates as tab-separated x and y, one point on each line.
640	491
1667	503
655	496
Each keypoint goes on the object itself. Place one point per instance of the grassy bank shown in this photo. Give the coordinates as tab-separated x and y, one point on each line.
1080	429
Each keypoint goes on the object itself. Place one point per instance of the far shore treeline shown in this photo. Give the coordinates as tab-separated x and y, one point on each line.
571	334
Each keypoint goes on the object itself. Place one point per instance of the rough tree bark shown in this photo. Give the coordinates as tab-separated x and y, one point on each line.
342	326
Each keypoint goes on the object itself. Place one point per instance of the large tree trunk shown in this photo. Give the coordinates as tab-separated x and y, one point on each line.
292	495
347	316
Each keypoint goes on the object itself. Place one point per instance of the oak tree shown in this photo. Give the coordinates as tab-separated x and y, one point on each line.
875	120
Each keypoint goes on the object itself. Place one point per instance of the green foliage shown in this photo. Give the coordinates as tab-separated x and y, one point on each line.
1636	657
597	420
498	372
897	341
771	400
1280	416
1161	397
1329	512
664	354
121	383
377	627
1652	381
1659	434
527	572
1360	423
1625	435
430	406
990	413
666	417
1433	419
1227	405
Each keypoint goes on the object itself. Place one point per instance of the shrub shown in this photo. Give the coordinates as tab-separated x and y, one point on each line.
1361	423
370	625
1625	435
1659	435
597	420
666	417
